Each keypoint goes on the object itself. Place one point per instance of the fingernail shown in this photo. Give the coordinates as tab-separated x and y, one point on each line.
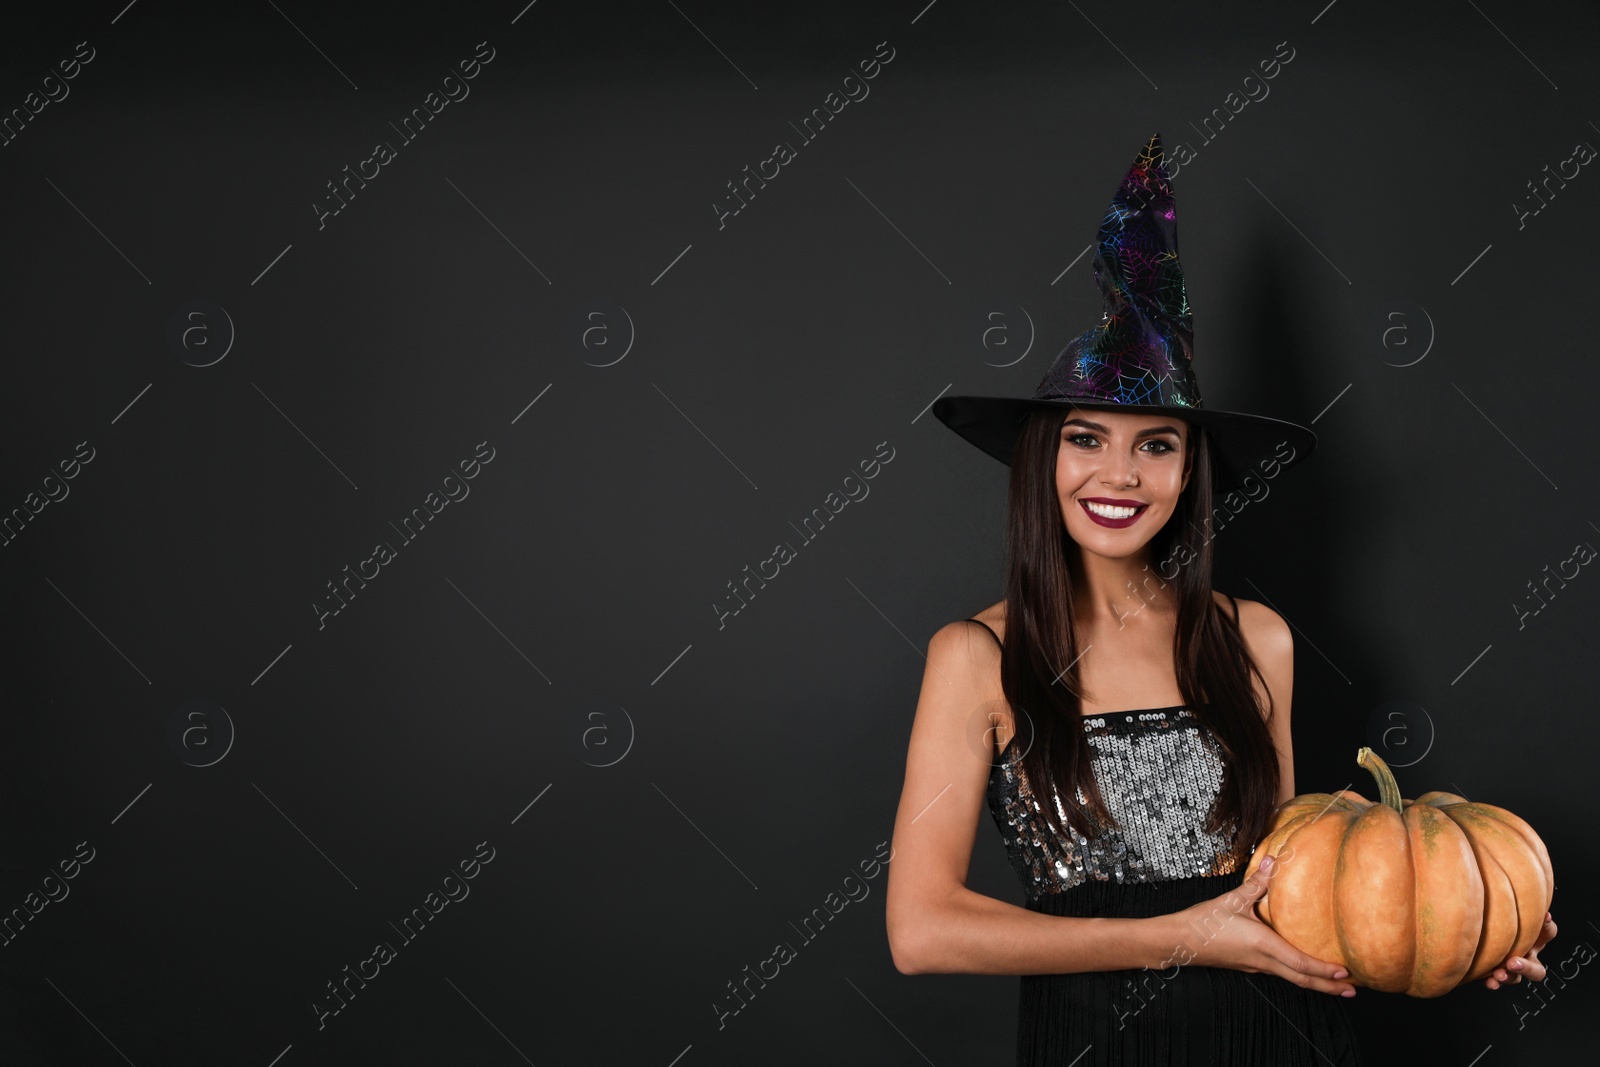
1266	864
1516	965
1348	993
1341	973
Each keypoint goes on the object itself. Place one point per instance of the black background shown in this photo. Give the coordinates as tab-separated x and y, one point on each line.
561	615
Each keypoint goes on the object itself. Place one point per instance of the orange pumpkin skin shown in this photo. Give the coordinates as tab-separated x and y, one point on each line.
1410	896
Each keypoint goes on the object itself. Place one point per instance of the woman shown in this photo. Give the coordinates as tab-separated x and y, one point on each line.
1158	707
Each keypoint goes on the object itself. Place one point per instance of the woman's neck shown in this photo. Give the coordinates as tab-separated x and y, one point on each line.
1107	589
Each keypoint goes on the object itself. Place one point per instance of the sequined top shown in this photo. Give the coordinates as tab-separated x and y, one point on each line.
1160	772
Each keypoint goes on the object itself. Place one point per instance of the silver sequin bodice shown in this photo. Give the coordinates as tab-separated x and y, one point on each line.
1159	771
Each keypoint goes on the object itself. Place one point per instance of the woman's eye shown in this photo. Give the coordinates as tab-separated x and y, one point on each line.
1085	440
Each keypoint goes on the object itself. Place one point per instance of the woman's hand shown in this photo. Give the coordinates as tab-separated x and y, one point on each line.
1516	968
1226	932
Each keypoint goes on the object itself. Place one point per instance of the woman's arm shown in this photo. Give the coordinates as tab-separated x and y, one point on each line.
936	924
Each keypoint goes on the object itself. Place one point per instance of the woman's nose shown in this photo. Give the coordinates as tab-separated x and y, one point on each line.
1120	471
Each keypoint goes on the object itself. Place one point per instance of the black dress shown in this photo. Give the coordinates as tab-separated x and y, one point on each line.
1160	771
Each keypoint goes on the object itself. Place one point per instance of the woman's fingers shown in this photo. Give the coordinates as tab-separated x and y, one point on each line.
1267	952
1528	967
1503	975
1288	962
1256	885
1516	968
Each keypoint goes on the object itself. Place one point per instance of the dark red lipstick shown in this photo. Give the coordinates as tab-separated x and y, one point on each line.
1115	502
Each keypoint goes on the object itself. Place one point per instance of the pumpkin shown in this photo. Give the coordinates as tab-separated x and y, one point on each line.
1410	896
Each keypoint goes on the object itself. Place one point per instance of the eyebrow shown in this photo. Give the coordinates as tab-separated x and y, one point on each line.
1151	432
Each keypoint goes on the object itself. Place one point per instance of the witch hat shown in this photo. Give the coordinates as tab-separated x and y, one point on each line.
1140	356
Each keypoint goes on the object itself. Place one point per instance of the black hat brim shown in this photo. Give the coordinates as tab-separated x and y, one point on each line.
1245	446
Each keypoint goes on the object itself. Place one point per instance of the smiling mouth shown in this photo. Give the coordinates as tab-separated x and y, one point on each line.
1113	515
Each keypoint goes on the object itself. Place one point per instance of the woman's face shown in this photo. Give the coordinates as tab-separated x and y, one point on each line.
1119	476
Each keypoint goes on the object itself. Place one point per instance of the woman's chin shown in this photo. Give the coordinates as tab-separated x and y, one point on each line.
1113	544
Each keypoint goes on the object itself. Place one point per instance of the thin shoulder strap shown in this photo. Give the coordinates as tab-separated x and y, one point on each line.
992	634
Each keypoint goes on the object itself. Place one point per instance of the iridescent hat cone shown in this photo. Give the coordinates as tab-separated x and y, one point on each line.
1140	356
1141	350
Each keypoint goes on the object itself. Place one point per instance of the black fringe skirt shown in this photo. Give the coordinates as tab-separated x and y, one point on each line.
1177	1017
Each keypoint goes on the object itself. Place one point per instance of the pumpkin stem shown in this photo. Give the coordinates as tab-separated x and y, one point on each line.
1388	788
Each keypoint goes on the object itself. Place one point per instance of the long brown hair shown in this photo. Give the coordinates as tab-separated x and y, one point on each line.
1039	670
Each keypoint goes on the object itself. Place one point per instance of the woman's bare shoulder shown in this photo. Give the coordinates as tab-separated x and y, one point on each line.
1265	631
961	651
994	616
967	659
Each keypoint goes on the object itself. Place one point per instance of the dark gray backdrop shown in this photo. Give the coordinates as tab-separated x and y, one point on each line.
250	796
